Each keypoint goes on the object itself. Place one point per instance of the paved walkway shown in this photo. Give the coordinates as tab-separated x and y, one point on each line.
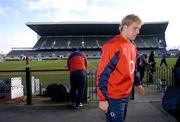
137	112
142	109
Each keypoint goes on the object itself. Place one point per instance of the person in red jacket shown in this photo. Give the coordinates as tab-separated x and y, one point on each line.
116	68
77	65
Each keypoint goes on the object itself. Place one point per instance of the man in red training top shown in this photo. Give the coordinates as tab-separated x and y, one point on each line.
115	74
77	65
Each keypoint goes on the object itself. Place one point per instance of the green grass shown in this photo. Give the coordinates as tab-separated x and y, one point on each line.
45	64
170	61
52	76
45	77
59	64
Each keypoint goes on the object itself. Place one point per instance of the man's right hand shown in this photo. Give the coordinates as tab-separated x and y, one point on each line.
103	105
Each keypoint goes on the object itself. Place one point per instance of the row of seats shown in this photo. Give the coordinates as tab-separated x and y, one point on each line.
43	48
36	54
70	42
93	42
47	54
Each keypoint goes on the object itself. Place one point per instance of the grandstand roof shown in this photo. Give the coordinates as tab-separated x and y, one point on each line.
91	28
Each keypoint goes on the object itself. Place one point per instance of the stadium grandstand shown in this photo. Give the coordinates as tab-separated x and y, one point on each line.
56	40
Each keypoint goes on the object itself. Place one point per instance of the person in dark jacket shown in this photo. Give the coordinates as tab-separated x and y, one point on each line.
77	65
177	72
163	59
142	65
152	65
177	62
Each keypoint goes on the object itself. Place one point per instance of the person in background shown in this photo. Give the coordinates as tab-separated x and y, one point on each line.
115	73
142	65
177	62
77	65
152	66
177	72
163	59
26	58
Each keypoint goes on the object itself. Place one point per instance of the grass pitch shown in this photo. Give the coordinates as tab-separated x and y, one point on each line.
49	77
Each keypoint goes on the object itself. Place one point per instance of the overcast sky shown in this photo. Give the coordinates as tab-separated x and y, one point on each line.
15	13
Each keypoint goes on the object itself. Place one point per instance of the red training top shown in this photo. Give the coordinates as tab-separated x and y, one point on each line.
115	74
77	61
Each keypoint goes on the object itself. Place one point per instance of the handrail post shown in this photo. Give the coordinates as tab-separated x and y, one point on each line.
84	99
28	86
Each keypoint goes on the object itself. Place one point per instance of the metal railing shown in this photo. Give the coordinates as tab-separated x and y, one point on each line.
161	77
161	74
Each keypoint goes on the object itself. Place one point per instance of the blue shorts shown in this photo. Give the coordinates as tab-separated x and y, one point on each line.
117	110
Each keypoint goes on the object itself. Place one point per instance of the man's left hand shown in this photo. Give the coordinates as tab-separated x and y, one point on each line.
140	90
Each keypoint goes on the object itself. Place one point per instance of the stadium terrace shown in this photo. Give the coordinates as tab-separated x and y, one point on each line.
56	40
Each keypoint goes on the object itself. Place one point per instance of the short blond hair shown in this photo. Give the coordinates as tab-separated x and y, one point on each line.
128	20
